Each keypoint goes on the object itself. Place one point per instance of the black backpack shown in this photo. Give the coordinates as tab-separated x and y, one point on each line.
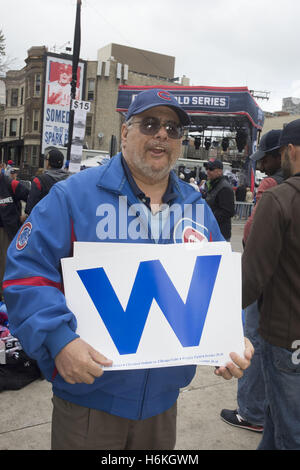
46	184
19	371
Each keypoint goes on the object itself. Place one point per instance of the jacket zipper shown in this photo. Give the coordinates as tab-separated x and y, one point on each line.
144	393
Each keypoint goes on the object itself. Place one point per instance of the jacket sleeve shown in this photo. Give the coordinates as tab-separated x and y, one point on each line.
34	195
37	310
225	207
267	183
262	249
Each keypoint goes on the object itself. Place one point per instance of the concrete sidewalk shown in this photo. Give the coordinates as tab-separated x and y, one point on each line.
25	422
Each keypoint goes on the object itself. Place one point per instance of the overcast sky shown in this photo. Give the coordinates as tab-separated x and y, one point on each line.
252	43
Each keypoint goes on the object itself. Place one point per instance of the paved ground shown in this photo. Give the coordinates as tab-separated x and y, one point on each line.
26	414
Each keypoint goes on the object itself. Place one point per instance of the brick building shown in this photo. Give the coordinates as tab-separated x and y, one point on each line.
21	117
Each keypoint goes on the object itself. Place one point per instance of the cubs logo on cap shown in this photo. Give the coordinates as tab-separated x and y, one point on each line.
165	95
157	97
23	236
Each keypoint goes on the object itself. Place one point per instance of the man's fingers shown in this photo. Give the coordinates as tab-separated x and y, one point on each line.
99	358
94	369
241	362
78	362
223	372
249	349
238	365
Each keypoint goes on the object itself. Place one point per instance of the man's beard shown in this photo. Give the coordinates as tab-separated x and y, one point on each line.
286	166
150	172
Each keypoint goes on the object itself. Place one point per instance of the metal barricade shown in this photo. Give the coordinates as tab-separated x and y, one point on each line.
242	210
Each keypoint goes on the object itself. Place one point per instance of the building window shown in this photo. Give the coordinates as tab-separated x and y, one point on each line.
5	127
22	96
28	88
14	97
25	159
91	90
37	84
36	118
34	155
20	128
88	128
13	128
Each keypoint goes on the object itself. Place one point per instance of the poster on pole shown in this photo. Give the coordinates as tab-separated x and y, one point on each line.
161	306
80	108
57	99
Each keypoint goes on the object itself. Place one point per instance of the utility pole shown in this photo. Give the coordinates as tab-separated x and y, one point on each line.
75	61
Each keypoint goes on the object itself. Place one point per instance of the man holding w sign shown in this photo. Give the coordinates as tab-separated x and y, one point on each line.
132	409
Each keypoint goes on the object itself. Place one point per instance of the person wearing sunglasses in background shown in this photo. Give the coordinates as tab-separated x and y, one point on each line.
220	197
96	409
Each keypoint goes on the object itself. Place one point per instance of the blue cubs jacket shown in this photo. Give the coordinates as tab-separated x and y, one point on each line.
75	210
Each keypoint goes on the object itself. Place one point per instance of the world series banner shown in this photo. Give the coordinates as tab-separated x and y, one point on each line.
57	100
202	100
146	305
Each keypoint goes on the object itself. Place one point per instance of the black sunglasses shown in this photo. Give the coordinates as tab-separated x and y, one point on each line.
151	125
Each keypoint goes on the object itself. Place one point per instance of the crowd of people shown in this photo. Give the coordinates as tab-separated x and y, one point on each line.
136	409
221	192
242	192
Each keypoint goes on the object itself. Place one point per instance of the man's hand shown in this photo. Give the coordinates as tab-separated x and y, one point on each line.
239	364
78	362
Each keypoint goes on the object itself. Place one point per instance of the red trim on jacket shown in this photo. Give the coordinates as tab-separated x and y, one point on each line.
73	236
36	281
14	185
54	374
38	183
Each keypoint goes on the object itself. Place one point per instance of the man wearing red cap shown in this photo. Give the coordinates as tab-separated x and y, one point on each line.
9	167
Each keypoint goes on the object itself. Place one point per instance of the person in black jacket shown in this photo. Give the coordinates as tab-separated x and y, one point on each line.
12	192
42	184
220	197
240	193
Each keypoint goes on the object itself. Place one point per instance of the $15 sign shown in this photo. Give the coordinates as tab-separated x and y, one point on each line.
81	105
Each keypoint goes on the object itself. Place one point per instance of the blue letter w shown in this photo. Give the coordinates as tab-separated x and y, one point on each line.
152	282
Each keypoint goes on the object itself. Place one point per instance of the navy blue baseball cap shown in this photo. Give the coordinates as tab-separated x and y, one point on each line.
215	164
269	142
157	97
291	133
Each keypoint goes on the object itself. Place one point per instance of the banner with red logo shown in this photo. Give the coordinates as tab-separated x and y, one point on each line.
57	100
200	99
